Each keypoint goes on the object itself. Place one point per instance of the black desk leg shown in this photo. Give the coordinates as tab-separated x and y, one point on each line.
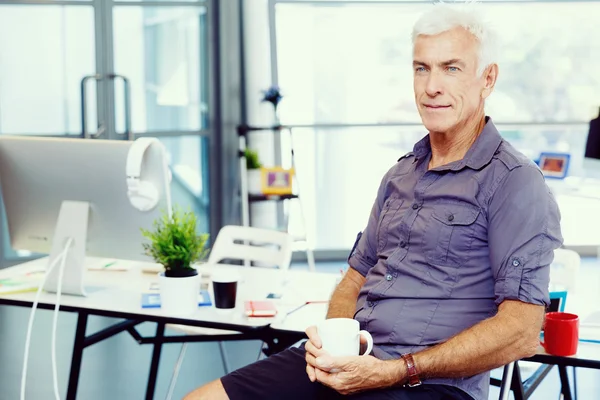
564	382
78	347
516	384
575	382
160	334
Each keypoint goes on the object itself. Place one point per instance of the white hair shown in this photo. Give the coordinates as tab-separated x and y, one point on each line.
446	16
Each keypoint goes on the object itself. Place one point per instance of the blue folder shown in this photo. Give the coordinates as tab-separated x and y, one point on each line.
152	300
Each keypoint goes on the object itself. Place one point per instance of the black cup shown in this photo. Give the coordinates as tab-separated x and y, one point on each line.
225	294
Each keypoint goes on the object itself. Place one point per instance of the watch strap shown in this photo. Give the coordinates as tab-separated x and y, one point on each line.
413	374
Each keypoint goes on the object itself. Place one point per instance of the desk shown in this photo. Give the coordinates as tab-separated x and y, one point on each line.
119	296
588	355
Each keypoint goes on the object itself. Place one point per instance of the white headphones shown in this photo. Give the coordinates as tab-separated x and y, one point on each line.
143	195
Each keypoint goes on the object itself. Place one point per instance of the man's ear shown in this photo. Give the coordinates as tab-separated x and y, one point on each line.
490	75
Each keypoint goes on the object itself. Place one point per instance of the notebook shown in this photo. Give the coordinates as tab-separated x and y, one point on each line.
152	300
261	308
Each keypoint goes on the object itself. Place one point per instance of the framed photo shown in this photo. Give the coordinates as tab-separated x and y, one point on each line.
554	165
277	181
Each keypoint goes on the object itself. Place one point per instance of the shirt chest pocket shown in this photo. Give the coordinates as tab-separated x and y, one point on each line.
387	221
450	233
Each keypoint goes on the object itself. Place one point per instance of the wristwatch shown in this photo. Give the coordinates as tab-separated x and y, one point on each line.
413	374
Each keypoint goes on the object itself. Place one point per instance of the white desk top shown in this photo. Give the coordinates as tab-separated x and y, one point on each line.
120	292
299	320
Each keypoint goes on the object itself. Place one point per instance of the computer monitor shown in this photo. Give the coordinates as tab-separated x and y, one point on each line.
54	188
591	162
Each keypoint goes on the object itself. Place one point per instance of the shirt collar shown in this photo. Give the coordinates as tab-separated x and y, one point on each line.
479	154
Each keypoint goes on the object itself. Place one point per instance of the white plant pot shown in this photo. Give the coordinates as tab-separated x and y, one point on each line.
179	296
254	182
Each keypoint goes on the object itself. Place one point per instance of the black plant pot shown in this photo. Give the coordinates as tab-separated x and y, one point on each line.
181	273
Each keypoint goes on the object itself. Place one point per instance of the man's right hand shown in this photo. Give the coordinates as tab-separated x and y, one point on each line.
313	350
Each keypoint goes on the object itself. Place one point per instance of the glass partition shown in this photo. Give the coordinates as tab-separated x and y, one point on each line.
347	62
339	170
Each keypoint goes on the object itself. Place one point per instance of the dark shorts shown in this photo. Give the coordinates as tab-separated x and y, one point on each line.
283	377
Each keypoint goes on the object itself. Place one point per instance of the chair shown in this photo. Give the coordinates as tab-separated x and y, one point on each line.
263	247
252	244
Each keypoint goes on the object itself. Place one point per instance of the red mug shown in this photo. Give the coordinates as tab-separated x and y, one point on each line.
561	334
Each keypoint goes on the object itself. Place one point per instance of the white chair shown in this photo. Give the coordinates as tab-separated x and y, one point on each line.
564	269
263	247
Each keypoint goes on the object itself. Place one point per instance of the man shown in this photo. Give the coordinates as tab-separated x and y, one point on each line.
451	274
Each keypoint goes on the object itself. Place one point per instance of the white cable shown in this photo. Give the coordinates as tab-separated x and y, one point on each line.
55	317
60	257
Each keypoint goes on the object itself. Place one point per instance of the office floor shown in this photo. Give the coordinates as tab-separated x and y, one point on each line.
118	367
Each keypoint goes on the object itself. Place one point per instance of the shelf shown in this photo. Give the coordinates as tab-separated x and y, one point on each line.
244	129
271	197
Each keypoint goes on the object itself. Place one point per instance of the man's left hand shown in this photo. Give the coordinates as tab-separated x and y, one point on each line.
353	374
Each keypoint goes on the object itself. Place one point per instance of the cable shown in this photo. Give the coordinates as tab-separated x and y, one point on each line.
62	256
55	317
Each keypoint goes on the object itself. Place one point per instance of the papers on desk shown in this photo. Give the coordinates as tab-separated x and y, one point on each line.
107	264
589	328
26	282
589	334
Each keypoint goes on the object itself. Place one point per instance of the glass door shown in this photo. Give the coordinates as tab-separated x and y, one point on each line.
156	81
114	70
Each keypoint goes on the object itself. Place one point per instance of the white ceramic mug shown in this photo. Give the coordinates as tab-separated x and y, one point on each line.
341	337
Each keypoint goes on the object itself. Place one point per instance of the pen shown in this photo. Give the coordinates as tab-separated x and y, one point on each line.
305	304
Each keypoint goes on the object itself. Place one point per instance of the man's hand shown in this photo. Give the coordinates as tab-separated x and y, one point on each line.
348	374
355	374
313	350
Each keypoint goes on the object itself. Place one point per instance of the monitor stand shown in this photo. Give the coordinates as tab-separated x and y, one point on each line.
72	223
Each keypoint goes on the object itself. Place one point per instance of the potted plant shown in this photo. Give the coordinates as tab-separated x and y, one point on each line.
273	95
175	244
253	166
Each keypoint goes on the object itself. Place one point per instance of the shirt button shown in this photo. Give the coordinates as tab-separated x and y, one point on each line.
388	277
403	244
415	206
516	263
450	217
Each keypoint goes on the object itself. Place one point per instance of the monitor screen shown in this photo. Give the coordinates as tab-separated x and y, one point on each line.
592	146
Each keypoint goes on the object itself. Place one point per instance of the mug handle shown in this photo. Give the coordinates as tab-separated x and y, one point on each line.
369	338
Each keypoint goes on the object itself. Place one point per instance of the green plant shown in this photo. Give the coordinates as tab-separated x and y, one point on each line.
175	244
252	160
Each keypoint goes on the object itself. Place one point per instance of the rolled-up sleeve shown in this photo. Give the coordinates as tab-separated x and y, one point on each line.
523	232
363	256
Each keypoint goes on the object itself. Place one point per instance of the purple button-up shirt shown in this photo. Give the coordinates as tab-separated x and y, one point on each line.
444	247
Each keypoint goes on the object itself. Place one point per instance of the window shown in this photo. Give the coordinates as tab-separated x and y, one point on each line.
44	52
350	64
162	58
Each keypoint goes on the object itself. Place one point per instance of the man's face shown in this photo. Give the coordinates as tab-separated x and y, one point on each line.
448	89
